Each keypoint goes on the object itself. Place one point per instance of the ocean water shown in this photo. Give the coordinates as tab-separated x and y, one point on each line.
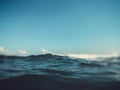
53	72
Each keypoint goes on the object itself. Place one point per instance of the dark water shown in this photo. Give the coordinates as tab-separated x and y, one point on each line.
52	72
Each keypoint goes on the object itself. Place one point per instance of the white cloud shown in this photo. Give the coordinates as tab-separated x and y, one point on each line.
22	52
1	49
44	51
85	56
92	56
5	51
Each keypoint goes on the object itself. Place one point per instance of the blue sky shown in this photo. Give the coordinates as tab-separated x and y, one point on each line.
61	26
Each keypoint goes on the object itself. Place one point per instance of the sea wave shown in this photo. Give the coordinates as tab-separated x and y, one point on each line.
61	68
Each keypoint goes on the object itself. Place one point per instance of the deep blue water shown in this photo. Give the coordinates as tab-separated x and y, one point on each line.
51	72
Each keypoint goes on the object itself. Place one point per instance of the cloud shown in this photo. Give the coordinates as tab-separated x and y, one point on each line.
92	56
44	51
22	52
1	49
85	56
5	51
